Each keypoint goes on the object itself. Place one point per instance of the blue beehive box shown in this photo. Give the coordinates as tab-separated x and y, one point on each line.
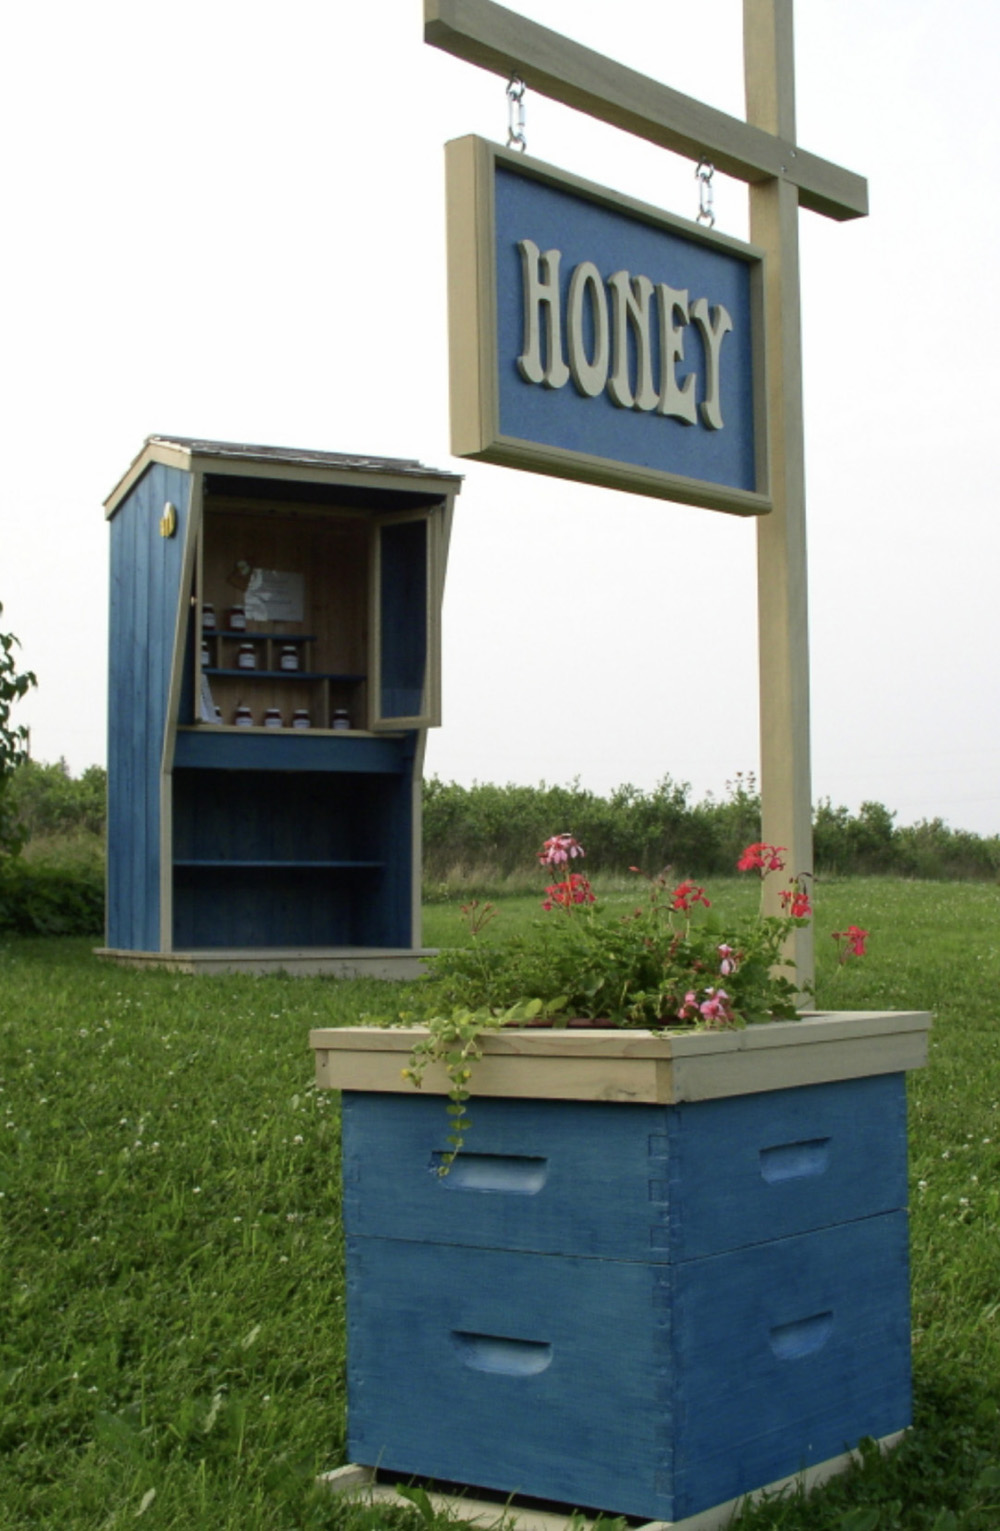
646	1307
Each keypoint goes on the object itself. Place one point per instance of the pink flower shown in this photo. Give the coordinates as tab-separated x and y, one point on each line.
854	939
572	890
559	849
761	857
716	1006
689	1009
727	963
797	902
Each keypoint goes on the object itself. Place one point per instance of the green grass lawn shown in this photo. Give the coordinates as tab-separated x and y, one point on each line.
171	1289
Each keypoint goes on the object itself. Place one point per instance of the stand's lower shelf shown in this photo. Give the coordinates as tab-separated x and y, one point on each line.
272	855
395	963
229	864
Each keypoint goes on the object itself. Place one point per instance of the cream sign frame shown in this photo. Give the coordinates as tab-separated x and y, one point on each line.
594	337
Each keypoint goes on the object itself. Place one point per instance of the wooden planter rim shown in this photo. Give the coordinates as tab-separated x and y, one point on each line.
639	1067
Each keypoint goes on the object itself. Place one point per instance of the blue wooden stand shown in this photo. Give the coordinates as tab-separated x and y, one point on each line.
648	1309
264	807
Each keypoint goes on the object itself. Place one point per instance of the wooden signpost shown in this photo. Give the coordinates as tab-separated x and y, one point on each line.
670	1271
782	177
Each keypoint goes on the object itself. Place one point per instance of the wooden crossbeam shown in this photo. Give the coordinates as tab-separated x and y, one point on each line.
507	44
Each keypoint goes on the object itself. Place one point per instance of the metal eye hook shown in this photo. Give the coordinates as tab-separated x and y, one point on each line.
515	114
706	199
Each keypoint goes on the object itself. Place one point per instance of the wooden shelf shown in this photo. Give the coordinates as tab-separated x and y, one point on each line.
231	864
258	637
291	675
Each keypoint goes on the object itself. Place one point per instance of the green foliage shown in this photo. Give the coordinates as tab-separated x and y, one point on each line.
14	684
46	801
46	899
499	827
56	885
454	1040
478	839
648	964
171	1260
166	1240
668	961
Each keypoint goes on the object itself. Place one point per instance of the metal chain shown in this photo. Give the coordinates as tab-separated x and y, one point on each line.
515	114
706	199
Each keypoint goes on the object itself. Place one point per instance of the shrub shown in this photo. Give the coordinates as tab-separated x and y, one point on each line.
49	899
477	838
13	736
45	800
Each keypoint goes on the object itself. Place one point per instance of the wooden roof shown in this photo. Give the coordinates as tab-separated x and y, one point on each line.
243	458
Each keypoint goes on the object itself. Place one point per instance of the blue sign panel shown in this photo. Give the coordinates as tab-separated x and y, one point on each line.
621	346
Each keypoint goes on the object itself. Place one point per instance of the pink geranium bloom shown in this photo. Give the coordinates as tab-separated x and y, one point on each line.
761	857
715	1007
797	903
854	939
575	889
727	963
559	849
689	1009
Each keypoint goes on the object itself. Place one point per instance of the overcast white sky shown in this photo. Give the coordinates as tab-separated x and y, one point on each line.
226	220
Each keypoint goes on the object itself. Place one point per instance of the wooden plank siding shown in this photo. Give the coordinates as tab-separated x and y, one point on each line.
270	843
635	1182
145	592
641	1388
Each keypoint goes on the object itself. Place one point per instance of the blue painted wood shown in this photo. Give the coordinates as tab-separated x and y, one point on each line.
573	1430
279	839
288	751
586	228
145	591
403	612
626	1385
664	1183
267	858
299	675
792	1352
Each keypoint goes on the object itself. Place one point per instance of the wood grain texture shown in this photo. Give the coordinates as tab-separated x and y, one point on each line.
782	572
312	962
497	39
146	577
266	844
658	1183
501	1369
287	750
636	1066
475	360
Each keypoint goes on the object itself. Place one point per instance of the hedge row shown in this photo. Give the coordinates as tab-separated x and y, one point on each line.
487	826
48	899
479	836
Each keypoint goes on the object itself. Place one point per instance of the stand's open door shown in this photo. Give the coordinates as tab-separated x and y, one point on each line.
405	637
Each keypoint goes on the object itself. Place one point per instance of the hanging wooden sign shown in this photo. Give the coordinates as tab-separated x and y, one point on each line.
596	338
